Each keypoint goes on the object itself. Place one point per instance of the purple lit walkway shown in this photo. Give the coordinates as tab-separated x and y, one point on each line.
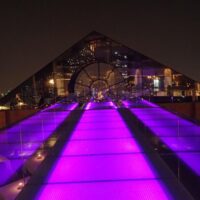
20	141
178	134
102	160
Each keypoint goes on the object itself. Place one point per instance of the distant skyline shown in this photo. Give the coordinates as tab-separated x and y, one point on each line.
35	32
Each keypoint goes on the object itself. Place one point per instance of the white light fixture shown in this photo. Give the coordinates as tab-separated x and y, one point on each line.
156	82
20	185
39	156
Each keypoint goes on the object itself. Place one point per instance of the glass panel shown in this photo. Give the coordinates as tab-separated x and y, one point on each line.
91	161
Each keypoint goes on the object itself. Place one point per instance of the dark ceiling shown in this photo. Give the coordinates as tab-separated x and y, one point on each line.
35	32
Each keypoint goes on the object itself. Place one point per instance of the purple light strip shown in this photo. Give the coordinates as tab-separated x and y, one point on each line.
149	103
30	133
52	107
123	190
100	105
88	106
176	133
112	105
94	166
65	106
72	106
142	102
126	104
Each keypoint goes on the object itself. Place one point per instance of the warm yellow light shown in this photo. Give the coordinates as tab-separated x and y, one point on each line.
4	108
52	142
51	82
21	104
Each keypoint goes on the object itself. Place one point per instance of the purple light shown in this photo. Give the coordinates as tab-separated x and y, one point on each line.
100	134
88	106
102	161
149	103
61	106
101	168
72	106
22	140
116	145
113	190
174	132
112	105
100	105
51	107
126	104
136	103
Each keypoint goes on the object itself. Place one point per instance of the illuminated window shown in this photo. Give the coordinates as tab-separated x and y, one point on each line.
156	82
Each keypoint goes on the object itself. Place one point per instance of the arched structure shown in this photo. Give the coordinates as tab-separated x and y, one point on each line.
97	62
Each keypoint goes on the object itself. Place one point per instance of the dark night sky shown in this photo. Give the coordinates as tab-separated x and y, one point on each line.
34	32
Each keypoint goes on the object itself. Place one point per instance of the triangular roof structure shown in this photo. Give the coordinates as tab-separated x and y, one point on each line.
93	48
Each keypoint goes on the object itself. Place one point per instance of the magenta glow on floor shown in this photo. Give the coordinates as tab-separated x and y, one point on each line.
178	134
102	160
20	141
